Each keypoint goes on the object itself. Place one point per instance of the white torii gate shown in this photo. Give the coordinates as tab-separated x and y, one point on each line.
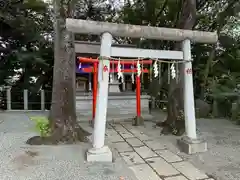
191	143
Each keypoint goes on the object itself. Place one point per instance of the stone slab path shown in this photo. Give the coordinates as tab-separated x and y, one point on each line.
147	157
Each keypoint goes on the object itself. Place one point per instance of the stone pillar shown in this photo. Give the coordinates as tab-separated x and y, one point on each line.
234	111
25	99
190	143
124	84
100	152
90	82
9	105
42	100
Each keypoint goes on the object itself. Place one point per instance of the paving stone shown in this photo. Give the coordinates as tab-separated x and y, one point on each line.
145	152
189	170
135	131
176	178
155	145
126	135
162	167
114	138
111	132
144	172
119	127
168	156
132	158
143	137
134	142
122	147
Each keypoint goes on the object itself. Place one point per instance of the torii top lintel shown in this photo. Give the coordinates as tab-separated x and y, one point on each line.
136	31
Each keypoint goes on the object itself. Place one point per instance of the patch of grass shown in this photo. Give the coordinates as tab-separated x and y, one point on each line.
42	125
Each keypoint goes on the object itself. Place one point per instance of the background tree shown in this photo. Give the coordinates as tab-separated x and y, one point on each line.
174	14
26	52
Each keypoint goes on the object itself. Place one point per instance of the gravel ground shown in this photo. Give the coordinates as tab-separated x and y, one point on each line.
22	162
19	161
222	160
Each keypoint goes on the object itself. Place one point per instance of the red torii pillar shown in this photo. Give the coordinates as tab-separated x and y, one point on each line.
94	69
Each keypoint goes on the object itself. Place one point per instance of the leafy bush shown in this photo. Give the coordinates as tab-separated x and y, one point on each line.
42	125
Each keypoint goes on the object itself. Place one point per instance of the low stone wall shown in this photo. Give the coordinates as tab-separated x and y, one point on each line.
119	106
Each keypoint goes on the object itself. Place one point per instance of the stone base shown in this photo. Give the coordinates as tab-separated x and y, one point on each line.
190	146
138	121
99	155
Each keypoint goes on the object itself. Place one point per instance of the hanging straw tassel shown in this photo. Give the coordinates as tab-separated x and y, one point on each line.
159	72
155	69
173	71
132	76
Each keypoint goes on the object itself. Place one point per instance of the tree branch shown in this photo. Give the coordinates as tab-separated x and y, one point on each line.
162	10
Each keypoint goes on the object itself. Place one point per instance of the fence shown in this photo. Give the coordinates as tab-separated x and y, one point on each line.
25	100
119	104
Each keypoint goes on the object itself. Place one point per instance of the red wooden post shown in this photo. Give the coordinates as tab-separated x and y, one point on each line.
95	84
138	96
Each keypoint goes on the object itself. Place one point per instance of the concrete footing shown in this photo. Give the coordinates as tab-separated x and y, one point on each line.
103	154
192	146
138	121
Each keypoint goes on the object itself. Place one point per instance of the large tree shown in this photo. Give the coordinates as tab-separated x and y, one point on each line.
63	121
186	19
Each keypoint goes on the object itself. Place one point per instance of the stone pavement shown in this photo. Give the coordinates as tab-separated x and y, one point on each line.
147	158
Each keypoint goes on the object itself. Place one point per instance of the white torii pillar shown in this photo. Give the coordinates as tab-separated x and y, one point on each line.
189	109
100	152
190	143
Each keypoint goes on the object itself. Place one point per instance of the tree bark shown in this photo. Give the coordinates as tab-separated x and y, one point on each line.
207	70
63	120
174	124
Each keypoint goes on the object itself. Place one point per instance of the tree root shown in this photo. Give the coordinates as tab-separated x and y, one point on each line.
177	129
161	123
60	137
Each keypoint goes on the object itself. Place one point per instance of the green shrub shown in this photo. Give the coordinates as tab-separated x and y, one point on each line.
42	125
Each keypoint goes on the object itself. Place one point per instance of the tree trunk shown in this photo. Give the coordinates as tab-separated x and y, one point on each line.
207	70
174	123
63	120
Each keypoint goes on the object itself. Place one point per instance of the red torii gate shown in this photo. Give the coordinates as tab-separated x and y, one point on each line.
94	70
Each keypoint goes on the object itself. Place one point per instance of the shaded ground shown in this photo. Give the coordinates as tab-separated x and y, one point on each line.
22	162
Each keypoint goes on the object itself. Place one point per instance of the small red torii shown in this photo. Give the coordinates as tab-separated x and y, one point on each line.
94	70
